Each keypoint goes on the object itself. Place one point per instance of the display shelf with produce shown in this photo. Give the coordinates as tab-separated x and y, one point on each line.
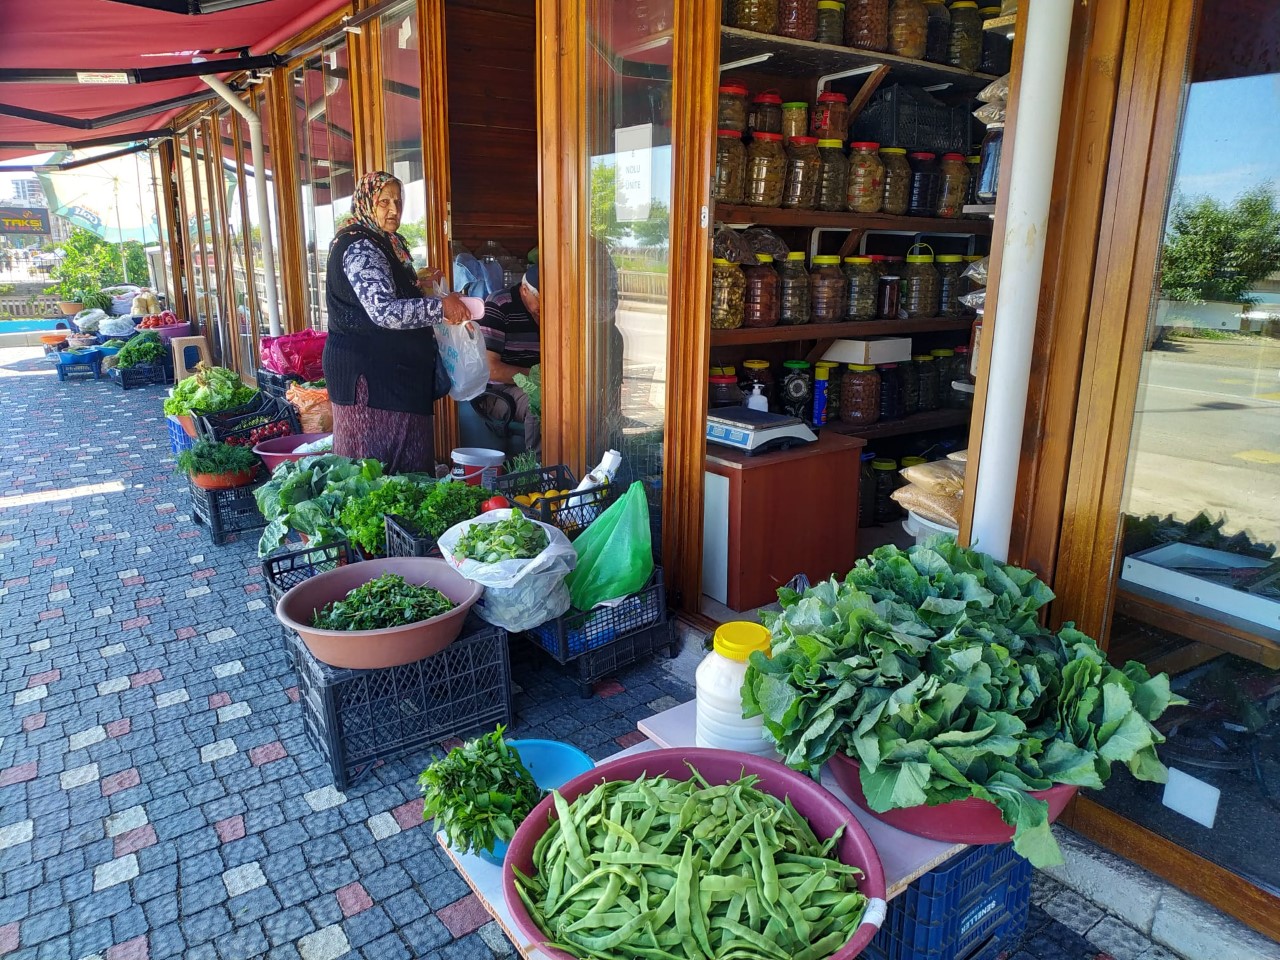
829	331
808	219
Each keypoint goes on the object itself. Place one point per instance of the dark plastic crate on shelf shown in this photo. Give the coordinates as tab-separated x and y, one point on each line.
178	438
226	512
358	717
403	539
571	512
973	907
576	632
274	384
288	567
142	375
905	116
238	428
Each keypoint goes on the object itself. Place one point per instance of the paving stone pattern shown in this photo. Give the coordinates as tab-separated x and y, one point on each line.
159	797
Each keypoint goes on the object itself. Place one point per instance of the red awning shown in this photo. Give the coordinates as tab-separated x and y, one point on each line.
100	35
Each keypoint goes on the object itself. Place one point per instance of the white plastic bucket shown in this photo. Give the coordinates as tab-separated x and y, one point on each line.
922	528
477	466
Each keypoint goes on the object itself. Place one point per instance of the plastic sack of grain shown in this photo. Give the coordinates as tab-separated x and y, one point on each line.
943	477
931	506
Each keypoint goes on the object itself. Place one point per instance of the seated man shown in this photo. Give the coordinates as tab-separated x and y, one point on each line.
512	338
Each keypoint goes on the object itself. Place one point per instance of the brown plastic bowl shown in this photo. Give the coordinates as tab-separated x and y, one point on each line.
374	649
278	450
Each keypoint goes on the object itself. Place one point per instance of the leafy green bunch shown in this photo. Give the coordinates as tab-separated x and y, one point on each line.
931	669
516	538
210	456
363	517
531	384
478	793
308	495
382	603
208	390
143	348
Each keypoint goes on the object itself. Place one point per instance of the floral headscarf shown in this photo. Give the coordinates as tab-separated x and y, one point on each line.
363	204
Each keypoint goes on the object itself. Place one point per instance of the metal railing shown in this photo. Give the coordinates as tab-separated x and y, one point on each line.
642	285
29	306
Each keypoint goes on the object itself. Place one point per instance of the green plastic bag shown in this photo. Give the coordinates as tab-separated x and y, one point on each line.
615	553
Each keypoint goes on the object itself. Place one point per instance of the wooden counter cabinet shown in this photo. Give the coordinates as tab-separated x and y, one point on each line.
774	515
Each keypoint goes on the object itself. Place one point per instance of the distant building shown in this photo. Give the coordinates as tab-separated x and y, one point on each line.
27	192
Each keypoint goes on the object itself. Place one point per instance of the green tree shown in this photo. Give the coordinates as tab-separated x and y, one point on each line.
1216	251
604	213
91	263
656	231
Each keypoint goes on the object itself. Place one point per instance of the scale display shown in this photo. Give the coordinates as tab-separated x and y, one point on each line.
756	431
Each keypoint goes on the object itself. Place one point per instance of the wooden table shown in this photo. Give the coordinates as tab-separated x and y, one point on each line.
905	857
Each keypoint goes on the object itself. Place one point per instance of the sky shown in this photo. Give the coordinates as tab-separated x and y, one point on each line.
1230	136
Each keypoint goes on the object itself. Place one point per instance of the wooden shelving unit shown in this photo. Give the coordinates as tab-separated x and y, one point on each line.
916	423
830	331
808	219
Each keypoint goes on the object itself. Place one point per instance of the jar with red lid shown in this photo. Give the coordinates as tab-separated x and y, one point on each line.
866	24
766	113
798	19
925	184
866	178
954	185
804	172
731	110
830	119
731	167
758	15
724	392
766	170
762	301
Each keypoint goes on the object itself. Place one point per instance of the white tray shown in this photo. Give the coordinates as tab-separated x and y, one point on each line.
1162	568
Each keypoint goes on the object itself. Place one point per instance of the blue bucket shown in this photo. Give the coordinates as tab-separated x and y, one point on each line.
553	764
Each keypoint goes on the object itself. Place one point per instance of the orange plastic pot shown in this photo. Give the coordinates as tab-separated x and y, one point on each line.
223	481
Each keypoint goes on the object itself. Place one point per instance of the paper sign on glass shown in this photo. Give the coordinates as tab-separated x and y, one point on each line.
633	149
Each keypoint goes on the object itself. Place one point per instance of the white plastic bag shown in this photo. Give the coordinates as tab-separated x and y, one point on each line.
519	594
462	352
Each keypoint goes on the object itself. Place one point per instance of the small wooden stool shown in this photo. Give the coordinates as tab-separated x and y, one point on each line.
180	345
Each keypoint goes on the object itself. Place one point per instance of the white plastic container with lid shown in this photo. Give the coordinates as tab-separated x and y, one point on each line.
719	691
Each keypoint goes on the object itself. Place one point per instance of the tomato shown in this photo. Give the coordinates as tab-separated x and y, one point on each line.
495	503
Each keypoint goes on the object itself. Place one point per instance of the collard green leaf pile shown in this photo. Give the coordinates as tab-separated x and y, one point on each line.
308	495
382	603
930	669
516	538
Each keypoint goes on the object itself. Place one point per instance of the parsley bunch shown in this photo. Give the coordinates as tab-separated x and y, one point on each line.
385	602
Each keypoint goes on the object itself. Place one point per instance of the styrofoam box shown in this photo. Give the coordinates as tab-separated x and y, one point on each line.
873	350
1159	569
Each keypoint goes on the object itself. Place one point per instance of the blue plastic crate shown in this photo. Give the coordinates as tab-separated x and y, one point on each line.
576	632
970	908
178	439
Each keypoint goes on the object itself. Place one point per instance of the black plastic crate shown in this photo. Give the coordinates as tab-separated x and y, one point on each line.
238	428
274	384
290	566
905	116
605	661
575	633
358	717
142	375
572	512
973	907
226	512
404	540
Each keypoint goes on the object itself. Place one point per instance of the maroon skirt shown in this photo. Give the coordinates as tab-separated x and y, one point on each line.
402	442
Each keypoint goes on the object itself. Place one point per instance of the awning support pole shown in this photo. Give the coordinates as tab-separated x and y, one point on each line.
1030	183
260	189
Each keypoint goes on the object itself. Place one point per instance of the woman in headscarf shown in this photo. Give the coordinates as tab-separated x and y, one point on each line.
380	356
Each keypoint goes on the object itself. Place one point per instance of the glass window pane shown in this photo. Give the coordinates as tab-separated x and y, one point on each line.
1198	578
402	109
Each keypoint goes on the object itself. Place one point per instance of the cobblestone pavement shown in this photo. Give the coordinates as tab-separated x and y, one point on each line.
159	796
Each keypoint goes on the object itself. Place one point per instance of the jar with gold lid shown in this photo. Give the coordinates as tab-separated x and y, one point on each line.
919	296
833	185
728	288
866	178
954	189
826	287
861	279
965	49
908	28
758	15
761	304
897	180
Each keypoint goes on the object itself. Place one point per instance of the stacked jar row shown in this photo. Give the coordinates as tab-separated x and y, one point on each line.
766	112
890	391
919	29
764	294
808	173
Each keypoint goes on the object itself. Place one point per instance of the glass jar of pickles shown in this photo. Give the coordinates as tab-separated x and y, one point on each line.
830	117
798	19
926	182
731	110
965	49
860	394
731	167
860	279
938	35
910	387
758	15
908	28
826	288
866	24
804	171
830	22
886	473
920	285
997	46
891	402
766	113
989	164
897	180
761	306
834	372
866	178
954	185
951	285
728	287
926	369
793	281
766	170
795	119
833	186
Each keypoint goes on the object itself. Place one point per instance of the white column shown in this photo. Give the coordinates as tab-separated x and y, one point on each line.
1012	336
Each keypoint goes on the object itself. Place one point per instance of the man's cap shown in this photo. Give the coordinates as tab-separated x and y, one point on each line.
531	277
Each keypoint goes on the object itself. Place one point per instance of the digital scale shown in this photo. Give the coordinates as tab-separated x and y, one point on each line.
756	431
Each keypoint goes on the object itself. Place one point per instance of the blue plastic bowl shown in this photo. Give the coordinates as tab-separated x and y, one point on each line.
553	764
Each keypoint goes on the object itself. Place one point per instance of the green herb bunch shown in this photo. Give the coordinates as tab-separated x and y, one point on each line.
143	348
516	538
449	504
931	669
210	456
362	517
385	602
478	793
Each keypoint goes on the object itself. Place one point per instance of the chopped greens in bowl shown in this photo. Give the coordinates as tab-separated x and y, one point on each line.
382	603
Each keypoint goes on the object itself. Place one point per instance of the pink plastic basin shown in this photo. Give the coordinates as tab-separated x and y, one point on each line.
960	821
278	450
823	811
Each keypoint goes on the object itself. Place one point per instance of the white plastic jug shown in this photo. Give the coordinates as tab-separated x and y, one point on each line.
719	691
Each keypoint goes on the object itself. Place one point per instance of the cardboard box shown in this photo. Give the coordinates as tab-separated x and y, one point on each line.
1168	569
872	350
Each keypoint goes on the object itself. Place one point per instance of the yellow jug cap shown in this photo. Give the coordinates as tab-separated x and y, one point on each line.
738	639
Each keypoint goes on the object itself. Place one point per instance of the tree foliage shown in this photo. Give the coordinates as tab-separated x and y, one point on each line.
1216	251
91	263
653	232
